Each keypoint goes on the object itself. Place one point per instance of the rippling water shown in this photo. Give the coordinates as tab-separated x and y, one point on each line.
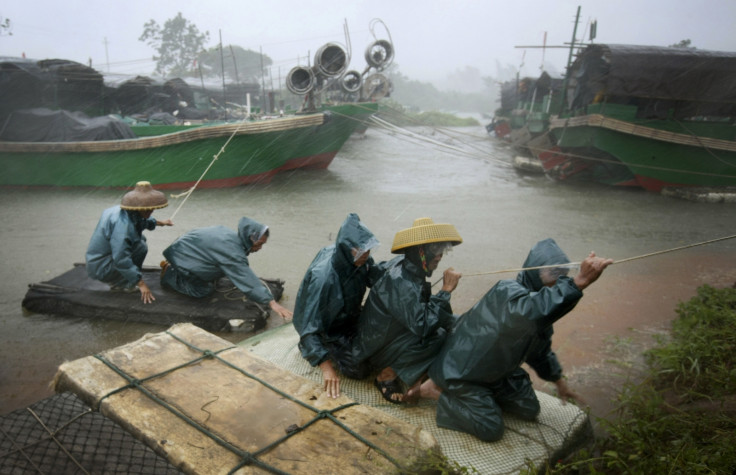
389	180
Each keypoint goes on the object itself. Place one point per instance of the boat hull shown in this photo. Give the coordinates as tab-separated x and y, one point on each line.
250	152
625	153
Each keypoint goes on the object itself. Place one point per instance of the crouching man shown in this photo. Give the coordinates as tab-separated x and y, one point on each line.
477	374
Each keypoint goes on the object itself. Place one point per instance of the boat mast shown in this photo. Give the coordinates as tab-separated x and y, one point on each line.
569	61
222	68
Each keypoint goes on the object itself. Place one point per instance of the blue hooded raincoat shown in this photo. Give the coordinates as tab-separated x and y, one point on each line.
202	256
328	304
479	367
118	247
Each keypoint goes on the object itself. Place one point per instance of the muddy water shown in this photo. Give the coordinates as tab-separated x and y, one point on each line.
389	181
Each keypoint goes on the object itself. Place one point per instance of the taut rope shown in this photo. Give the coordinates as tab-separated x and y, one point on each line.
573	264
187	193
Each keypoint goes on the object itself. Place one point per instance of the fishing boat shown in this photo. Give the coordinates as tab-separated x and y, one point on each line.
176	156
646	116
178	153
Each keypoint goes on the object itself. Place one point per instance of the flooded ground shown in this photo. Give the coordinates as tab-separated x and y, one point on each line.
389	181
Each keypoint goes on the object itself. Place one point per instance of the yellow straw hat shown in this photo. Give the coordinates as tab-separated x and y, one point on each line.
425	231
143	197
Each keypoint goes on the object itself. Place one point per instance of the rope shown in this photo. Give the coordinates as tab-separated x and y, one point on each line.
320	414
476	152
52	436
187	193
481	154
620	261
42	440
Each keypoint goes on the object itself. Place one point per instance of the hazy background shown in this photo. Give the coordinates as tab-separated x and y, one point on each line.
453	45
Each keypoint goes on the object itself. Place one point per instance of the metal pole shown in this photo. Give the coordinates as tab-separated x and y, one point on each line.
569	60
263	83
222	70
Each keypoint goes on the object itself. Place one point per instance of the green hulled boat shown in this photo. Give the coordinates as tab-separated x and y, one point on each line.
176	156
646	116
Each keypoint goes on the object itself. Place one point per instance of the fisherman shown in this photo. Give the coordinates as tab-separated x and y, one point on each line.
403	326
478	372
329	301
118	247
196	260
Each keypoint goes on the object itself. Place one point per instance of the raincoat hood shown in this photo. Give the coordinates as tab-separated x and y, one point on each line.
250	231
353	234
544	253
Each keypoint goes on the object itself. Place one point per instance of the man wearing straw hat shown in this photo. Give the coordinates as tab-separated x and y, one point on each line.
478	375
118	248
403	325
329	302
197	259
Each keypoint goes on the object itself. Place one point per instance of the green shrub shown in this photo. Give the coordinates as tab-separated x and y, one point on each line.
681	419
701	358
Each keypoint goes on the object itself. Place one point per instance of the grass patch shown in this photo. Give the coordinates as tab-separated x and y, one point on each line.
681	419
400	116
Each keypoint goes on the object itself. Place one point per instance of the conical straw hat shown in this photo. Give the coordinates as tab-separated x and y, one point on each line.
425	231
143	197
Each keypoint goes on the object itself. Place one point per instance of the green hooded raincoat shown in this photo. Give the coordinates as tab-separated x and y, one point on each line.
403	326
479	367
328	304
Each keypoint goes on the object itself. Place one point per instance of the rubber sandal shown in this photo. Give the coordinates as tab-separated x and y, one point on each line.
388	389
164	267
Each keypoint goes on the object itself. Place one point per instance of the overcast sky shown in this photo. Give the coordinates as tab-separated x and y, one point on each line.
432	38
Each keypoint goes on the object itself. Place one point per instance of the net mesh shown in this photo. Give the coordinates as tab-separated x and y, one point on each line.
61	435
559	430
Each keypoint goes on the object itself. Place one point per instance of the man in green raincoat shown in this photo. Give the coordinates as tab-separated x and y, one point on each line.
329	302
196	260
478	373
403	325
118	247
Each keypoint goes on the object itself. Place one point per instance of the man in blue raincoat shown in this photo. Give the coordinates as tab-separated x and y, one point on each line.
329	301
117	248
403	325
196	260
478	373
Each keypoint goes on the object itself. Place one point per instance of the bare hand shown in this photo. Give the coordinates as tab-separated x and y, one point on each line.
284	312
166	222
146	295
450	279
331	380
590	269
564	392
